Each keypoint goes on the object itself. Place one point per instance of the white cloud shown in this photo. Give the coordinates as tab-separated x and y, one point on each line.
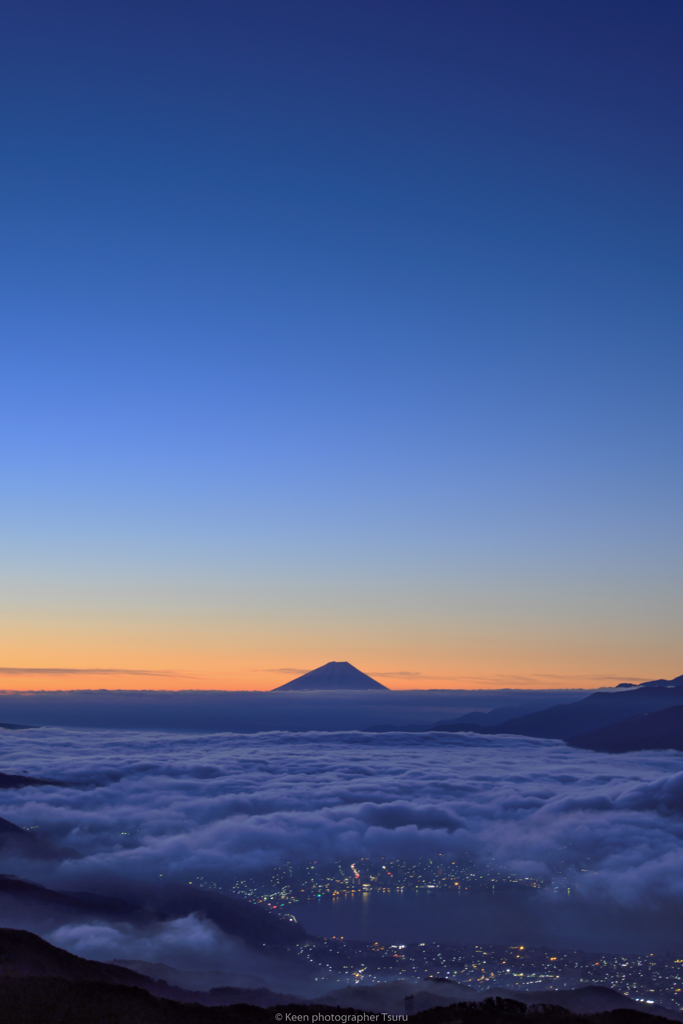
151	804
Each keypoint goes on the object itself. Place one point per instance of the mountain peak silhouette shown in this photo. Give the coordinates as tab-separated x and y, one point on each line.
336	675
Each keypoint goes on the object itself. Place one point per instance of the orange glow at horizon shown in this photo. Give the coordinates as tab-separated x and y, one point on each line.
93	652
38	678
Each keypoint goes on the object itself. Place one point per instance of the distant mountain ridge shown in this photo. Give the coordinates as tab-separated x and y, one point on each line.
255	925
20	781
335	675
16	841
601	719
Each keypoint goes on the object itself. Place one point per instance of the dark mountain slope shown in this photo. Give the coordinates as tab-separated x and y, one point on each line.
19	781
660	730
16	841
256	925
22	953
85	902
505	1011
193	981
41	984
587	999
25	955
563	721
57	1001
389	997
499	715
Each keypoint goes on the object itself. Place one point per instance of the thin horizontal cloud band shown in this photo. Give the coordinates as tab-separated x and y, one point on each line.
12	671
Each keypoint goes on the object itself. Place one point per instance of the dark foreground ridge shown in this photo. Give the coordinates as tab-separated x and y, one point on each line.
29	963
42	984
58	1001
336	675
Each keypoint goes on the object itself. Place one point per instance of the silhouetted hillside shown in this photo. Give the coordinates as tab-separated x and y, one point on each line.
498	715
588	999
256	925
25	955
57	1001
83	902
389	997
19	781
16	841
41	984
504	1011
660	730
564	721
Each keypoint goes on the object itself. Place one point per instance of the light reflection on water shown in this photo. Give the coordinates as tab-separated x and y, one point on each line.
500	916
424	915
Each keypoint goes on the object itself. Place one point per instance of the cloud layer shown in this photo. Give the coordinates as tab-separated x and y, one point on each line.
145	805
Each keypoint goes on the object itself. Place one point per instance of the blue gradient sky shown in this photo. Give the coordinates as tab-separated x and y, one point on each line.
342	331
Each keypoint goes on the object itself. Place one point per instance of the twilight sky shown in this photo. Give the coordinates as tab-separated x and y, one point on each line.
341	331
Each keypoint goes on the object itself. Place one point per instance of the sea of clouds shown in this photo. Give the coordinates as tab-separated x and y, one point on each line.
145	805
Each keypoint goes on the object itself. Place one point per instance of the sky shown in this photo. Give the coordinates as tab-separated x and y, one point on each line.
342	331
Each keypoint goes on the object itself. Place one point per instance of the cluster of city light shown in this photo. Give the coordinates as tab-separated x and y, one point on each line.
646	978
298	883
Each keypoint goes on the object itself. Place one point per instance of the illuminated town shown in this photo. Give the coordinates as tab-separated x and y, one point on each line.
650	978
295	884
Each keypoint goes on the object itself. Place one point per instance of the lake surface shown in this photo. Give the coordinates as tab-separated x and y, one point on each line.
425	915
505	917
